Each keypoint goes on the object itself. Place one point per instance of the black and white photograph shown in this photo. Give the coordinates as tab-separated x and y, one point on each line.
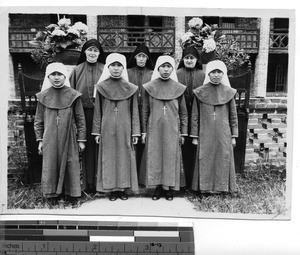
148	111
142	128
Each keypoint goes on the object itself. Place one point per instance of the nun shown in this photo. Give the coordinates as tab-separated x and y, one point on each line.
61	133
214	128
164	127
116	127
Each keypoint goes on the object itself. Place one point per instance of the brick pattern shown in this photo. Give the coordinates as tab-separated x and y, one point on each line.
267	127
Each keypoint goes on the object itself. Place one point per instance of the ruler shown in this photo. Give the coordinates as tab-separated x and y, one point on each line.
64	237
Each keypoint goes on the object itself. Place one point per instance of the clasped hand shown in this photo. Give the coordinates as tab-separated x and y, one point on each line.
135	139
144	135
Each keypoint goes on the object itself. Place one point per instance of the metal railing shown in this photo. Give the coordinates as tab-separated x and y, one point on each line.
158	39
125	39
279	39
247	39
19	38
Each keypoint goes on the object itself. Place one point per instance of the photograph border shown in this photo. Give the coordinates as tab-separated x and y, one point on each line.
174	11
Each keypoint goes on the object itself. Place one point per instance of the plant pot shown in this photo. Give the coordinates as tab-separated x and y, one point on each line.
67	56
207	57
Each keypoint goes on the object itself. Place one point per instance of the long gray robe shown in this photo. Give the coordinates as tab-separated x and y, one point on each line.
83	78
192	79
164	120
116	119
214	121
60	123
139	76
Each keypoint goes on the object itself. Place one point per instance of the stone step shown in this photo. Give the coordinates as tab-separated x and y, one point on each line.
254	126
274	125
273	145
255	116
261	130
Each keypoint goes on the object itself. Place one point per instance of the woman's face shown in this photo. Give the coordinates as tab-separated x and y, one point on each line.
189	61
141	59
165	70
115	69
57	79
216	76
92	53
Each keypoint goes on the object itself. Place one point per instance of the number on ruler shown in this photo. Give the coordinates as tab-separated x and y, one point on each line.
147	247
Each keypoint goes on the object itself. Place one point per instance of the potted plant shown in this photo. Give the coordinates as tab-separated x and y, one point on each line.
236	60
57	40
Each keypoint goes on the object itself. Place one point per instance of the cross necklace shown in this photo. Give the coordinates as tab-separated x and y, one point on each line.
116	108
57	118
164	109
214	114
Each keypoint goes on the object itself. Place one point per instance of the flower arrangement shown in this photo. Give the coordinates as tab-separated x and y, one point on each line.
212	44
56	38
203	36
234	58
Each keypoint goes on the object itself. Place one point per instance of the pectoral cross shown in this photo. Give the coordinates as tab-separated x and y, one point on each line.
164	109
116	110
57	120
214	114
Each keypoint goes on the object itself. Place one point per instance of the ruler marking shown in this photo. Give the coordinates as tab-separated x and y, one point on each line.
67	238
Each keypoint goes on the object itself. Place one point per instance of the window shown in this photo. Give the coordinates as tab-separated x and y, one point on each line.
74	18
156	21
135	29
277	73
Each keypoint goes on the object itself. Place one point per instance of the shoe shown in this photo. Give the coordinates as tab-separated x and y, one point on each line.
53	201
157	193
73	201
112	196
169	195
205	194
123	195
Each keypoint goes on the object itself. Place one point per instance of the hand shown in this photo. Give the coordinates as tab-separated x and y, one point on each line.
195	141
97	138
182	140
81	146
135	140
40	148
233	141
144	138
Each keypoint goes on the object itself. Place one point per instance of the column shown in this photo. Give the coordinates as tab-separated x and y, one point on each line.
261	64
11	85
179	31
92	23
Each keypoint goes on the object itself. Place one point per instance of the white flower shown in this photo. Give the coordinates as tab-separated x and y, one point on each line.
81	27
195	23
186	37
74	31
209	45
64	22
58	32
